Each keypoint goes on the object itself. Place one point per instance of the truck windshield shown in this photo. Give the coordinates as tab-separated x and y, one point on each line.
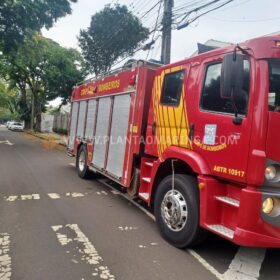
274	85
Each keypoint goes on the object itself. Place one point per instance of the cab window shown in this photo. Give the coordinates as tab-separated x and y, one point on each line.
172	88
274	85
211	94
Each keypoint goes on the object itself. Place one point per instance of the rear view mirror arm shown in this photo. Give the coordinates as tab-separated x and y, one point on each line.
244	51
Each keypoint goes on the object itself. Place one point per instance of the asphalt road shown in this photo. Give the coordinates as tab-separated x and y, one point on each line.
57	226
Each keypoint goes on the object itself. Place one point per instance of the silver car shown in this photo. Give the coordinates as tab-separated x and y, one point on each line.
16	126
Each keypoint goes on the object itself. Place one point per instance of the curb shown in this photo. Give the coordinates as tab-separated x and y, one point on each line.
45	138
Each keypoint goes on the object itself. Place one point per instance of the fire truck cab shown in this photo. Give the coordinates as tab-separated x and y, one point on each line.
197	140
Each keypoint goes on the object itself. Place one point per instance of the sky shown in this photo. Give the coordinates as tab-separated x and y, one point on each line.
234	23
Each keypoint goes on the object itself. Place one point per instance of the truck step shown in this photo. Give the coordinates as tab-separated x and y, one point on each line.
146	179
145	196
150	164
222	230
228	200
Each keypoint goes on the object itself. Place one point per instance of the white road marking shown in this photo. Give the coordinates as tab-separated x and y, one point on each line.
246	264
11	198
36	196
87	251
30	197
128	198
72	164
126	228
7	142
75	194
102	193
246	260
54	195
206	265
5	259
115	192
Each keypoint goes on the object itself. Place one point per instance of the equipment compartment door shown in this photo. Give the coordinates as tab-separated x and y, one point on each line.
101	135
90	119
81	121
74	117
120	119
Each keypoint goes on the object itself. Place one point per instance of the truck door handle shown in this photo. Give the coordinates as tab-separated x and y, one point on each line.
154	127
191	132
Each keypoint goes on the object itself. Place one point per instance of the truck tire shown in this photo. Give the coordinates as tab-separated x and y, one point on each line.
81	163
177	212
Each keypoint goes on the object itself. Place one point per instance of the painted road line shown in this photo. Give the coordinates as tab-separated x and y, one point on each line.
74	194
103	181
36	196
127	228
87	251
7	142
30	197
72	164
54	195
69	194
246	264
13	198
5	259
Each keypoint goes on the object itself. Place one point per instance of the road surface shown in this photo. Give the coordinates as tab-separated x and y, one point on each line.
57	226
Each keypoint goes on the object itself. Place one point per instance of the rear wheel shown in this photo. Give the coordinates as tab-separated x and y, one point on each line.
177	211
81	163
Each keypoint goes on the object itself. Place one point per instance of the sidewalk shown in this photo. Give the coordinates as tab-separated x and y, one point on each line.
50	137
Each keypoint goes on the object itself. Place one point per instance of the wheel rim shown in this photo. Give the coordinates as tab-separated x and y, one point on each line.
174	210
82	161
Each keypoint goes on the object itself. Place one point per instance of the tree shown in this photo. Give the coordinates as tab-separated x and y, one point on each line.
22	17
46	69
9	102
114	32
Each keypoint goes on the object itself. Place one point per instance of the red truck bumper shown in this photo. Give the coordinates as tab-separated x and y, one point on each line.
240	221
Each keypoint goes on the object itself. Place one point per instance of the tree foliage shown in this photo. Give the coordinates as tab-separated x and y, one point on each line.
19	18
9	102
114	32
43	67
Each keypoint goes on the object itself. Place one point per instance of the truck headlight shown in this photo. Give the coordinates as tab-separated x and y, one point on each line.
271	206
270	173
268	205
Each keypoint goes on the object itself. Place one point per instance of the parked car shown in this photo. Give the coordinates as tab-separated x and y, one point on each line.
16	126
8	124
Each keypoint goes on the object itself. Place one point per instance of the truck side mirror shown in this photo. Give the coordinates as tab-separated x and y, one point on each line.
232	76
232	80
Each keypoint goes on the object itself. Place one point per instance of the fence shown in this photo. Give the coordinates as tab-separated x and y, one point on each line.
60	123
47	122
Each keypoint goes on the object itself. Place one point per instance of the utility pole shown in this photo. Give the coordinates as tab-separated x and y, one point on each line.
166	31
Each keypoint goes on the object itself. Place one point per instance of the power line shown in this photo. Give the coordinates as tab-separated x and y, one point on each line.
232	6
156	24
185	24
200	8
245	20
151	9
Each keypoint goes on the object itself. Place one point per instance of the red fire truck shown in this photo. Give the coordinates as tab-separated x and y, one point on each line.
197	140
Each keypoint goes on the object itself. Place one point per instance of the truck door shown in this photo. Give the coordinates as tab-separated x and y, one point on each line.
223	144
168	119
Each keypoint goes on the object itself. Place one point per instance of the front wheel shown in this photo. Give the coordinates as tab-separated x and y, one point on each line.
177	211
81	163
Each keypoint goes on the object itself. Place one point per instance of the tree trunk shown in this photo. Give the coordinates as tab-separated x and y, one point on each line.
38	112
32	111
25	116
